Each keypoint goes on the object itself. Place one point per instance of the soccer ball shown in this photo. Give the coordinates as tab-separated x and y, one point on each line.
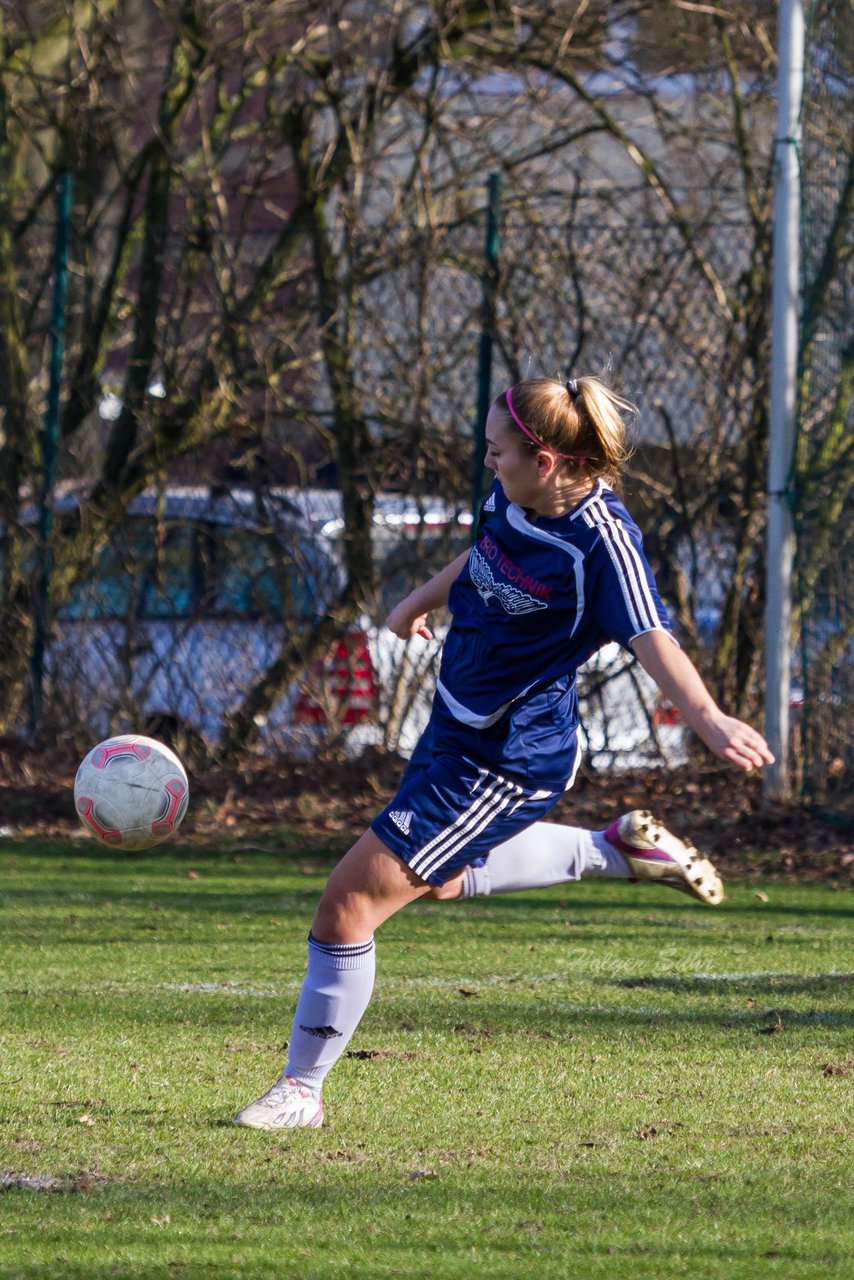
131	792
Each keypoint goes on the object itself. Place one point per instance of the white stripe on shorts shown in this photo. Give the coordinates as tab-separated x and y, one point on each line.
492	801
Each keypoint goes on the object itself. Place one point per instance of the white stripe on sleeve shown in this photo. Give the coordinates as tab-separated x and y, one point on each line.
629	565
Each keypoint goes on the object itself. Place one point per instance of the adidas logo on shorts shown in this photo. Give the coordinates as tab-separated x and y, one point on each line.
402	821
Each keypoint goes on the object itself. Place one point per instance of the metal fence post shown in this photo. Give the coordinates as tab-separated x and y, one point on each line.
785	297
50	443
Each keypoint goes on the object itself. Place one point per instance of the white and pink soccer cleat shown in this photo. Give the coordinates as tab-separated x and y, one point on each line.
654	853
287	1105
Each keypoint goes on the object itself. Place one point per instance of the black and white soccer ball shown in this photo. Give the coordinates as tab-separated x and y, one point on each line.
131	792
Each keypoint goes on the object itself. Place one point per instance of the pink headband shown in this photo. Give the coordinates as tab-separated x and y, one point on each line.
570	457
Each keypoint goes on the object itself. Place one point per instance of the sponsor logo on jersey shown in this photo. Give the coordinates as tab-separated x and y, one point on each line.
510	595
403	821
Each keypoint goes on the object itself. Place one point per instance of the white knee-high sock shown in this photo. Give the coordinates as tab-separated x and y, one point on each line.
336	992
543	854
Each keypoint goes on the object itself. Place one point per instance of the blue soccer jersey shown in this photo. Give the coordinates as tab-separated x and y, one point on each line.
536	598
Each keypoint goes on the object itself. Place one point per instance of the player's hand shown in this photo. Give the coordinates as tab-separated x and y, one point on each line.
737	742
403	623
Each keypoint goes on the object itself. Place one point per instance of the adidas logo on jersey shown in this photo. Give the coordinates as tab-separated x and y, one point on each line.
489	505
402	821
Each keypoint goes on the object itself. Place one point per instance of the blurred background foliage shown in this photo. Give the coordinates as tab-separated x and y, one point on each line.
274	284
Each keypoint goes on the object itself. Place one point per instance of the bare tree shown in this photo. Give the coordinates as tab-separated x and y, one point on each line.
278	220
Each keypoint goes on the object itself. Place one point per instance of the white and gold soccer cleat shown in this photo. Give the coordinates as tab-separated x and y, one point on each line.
654	853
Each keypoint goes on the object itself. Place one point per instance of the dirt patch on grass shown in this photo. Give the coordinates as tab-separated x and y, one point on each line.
63	1184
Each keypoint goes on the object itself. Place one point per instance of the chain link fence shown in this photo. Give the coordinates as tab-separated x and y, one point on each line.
648	263
183	613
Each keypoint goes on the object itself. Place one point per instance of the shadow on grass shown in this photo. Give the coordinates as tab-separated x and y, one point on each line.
312	861
355	1183
751	983
554	1011
651	900
292	851
573	899
322	1215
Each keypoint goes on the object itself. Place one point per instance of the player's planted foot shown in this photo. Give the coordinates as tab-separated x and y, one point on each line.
654	853
288	1105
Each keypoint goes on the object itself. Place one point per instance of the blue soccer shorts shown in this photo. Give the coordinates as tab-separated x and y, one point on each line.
450	812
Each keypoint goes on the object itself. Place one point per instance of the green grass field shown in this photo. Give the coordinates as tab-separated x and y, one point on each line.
600	1081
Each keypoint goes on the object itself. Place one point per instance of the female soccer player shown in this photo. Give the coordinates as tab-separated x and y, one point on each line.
556	571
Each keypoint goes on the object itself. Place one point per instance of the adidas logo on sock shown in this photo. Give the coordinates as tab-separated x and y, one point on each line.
403	821
322	1033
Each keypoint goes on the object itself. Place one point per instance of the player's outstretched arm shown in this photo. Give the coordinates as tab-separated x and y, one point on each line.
680	682
409	618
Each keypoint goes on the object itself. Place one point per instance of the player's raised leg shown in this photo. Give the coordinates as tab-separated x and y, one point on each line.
634	847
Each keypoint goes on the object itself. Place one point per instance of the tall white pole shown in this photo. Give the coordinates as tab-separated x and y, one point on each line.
785	314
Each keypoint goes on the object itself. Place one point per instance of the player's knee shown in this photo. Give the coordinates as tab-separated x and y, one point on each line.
448	891
338	920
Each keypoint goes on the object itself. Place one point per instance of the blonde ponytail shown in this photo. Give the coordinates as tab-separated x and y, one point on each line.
581	421
606	413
